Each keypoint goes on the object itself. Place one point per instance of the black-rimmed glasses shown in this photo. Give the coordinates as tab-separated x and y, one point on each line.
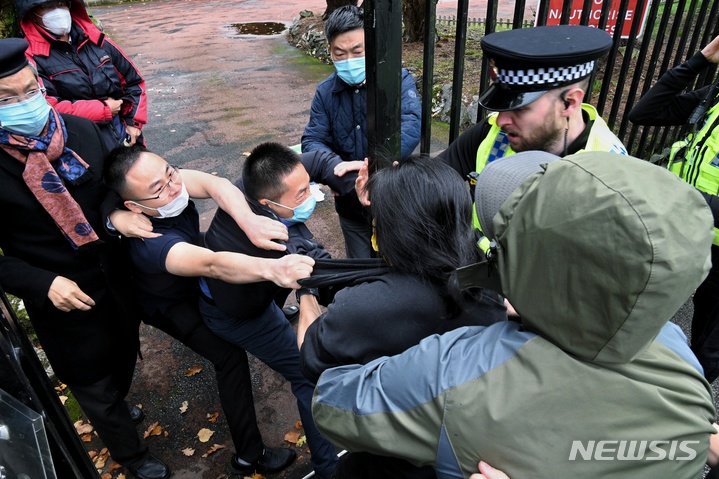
164	191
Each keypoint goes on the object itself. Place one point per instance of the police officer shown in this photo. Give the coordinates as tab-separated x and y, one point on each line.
696	160
539	78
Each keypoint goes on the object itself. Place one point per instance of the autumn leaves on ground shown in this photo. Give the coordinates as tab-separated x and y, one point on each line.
202	446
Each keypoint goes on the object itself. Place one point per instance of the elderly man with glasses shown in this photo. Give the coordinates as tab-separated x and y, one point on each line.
58	257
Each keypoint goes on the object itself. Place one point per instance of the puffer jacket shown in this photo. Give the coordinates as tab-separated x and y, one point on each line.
82	73
338	120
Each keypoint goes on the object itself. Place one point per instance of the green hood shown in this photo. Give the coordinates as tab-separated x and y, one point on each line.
600	250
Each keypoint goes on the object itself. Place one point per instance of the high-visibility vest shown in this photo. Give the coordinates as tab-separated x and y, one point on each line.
695	159
496	144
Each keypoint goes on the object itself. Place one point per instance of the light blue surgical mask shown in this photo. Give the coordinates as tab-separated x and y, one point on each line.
302	212
26	118
351	71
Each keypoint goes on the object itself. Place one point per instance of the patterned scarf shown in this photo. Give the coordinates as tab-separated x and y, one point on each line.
42	155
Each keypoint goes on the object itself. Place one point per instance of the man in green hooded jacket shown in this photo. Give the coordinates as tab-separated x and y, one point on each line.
596	252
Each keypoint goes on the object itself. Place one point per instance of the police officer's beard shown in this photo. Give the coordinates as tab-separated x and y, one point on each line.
544	139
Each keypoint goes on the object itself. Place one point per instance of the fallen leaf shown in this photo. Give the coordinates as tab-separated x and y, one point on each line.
183	408
256	475
292	437
167	434
193	370
213	449
301	441
204	434
86	438
92	454
107	475
63	399
298	425
120	476
213	417
82	428
101	459
188	451
114	466
60	387
154	430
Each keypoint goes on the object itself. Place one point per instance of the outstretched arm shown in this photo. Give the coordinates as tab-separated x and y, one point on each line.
185	259
260	230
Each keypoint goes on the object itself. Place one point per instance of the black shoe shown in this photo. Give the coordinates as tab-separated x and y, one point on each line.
291	312
272	459
152	468
136	413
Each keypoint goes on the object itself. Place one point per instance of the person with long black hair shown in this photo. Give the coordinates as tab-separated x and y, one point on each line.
422	229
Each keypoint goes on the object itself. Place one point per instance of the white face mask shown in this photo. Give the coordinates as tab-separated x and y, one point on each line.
57	21
174	207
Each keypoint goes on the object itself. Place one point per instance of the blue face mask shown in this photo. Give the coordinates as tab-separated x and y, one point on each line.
351	71
26	118
300	213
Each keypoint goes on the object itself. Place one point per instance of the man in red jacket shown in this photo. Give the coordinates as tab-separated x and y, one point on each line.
84	72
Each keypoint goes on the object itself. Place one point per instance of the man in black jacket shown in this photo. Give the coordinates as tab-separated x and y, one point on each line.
59	259
695	160
165	275
276	182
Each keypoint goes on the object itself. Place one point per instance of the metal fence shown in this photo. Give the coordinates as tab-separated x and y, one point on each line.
672	31
502	22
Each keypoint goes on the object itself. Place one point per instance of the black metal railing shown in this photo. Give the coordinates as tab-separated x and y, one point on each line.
672	31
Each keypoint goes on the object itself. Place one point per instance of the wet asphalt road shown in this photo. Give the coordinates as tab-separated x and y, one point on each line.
213	95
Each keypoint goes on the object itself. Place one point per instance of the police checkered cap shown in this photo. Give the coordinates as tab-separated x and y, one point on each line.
542	77
527	62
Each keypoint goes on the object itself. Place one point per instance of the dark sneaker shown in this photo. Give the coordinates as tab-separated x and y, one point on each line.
152	468
272	459
136	413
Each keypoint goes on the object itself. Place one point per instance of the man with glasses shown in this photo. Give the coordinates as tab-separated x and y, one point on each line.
59	259
85	73
166	271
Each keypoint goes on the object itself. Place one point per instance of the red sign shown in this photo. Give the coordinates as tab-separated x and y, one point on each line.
555	15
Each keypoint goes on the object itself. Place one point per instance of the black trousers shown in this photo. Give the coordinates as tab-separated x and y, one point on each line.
705	323
103	402
184	323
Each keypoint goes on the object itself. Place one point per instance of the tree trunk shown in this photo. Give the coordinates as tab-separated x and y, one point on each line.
333	5
413	12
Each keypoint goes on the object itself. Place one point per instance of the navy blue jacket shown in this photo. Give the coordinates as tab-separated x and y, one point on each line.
338	120
338	124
